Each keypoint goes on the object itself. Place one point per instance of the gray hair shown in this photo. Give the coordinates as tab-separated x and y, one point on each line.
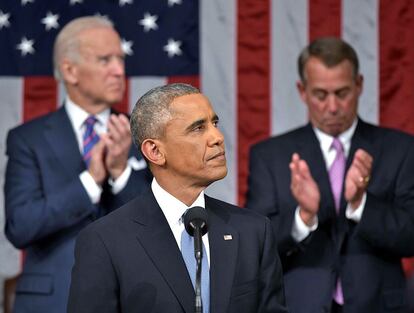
67	43
152	111
331	51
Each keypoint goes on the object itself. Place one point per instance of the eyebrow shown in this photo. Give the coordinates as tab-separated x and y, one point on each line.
200	122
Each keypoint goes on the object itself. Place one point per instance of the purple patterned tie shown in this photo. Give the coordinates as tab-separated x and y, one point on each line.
336	176
90	138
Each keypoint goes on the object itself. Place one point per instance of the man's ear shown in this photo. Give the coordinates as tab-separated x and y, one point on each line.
69	71
301	89
150	148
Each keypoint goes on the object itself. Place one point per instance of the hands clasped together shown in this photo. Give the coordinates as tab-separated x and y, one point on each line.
110	155
306	191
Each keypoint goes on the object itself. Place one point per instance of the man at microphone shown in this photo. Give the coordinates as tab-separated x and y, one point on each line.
138	259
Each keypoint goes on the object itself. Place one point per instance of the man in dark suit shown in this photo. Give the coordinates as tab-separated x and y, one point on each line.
340	193
130	260
63	173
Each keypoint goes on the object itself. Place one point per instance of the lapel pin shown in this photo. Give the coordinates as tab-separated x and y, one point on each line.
228	237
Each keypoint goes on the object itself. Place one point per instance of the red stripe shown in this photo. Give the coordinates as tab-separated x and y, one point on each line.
192	80
39	96
324	18
397	64
253	75
123	106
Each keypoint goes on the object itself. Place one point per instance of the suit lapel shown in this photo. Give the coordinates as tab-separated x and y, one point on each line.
156	237
63	143
224	242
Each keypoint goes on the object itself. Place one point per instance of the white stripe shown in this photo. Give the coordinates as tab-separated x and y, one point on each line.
289	36
361	29
140	85
218	82
11	90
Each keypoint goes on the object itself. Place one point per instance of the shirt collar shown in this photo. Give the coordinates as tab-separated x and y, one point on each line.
77	115
173	208
326	140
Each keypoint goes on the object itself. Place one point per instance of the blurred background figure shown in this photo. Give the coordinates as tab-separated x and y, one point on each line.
72	166
340	194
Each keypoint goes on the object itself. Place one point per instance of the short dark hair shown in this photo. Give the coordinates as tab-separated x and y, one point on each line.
331	51
152	111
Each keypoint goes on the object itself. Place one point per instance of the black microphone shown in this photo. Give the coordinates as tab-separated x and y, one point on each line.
196	225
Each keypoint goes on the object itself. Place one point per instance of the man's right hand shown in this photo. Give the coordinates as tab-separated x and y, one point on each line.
304	189
97	163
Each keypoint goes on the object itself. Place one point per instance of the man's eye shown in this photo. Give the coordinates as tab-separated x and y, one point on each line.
342	94
104	59
215	123
321	95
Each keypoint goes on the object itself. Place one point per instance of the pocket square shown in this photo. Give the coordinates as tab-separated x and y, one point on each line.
228	237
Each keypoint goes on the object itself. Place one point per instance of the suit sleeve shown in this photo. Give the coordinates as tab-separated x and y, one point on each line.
94	286
388	220
32	211
262	197
272	296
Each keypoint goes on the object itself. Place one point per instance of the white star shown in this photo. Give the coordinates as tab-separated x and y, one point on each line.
127	46
50	21
24	2
173	48
172	2
149	22
4	19
26	46
123	2
73	2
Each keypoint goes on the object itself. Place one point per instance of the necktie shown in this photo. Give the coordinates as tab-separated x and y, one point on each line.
336	176
90	138
187	250
337	171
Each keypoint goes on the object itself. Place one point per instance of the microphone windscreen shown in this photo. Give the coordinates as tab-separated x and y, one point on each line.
196	216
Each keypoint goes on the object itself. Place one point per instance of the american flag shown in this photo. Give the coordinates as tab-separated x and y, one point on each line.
241	53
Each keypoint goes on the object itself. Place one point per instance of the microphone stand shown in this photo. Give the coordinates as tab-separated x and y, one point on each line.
198	253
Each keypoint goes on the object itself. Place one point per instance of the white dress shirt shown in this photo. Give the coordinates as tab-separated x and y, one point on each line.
77	117
300	230
174	209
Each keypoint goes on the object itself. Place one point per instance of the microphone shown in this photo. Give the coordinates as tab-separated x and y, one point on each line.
196	225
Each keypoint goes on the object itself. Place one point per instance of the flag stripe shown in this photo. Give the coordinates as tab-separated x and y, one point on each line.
253	74
397	64
218	36
324	18
40	96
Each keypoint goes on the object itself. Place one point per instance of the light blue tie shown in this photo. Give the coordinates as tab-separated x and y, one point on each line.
187	250
90	139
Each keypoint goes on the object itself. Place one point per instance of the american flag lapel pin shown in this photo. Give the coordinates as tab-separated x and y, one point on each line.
228	237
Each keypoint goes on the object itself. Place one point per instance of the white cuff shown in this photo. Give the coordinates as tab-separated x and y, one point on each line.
299	229
118	184
356	215
93	190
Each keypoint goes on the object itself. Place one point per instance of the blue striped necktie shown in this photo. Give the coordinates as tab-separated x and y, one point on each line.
90	138
187	250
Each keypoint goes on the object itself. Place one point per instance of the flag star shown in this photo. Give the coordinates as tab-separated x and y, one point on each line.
173	48
50	21
149	22
4	19
123	2
24	2
172	2
73	2
127	46
26	46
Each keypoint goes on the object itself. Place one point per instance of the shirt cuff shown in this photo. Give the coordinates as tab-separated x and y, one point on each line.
118	184
356	215
299	229
93	190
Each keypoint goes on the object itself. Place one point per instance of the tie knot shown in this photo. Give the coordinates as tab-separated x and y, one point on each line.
337	145
90	121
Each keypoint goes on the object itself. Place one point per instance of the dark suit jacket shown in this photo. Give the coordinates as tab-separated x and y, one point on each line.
129	261
47	205
365	254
